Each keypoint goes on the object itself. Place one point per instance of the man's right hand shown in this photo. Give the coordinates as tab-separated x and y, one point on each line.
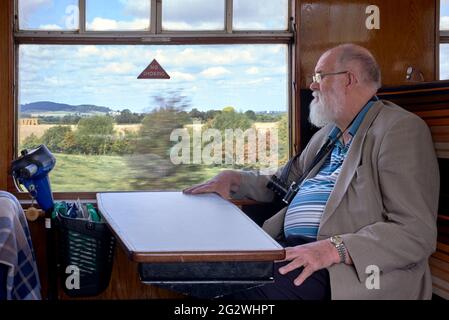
222	184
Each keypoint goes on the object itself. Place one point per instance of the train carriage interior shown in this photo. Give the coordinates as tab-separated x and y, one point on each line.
110	109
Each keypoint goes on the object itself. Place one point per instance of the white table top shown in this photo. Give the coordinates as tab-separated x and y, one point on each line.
172	226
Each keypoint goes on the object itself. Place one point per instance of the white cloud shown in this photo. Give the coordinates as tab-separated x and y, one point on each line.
102	24
444	62
50	27
214	72
257	81
137	8
199	12
117	68
181	25
87	51
252	70
444	23
201	57
51	81
267	14
250	26
109	53
27	8
176	75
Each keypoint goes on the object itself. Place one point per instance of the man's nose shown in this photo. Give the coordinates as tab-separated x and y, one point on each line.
314	86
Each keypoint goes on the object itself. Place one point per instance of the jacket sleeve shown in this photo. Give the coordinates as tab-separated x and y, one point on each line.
409	183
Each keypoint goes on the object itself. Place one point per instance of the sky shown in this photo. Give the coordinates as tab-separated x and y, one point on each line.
212	77
444	48
444	14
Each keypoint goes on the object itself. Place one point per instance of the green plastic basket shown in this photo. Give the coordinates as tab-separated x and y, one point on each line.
88	247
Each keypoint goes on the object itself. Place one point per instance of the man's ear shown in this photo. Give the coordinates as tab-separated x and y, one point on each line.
351	80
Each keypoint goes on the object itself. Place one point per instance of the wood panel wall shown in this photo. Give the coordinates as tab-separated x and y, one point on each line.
431	102
406	36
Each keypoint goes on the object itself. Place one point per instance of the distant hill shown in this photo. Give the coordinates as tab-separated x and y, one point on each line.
43	107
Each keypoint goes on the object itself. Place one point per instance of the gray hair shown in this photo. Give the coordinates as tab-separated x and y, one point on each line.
368	65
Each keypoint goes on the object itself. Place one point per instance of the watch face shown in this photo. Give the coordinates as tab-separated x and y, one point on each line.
336	240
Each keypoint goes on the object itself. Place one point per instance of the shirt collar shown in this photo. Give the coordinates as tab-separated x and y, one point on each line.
357	121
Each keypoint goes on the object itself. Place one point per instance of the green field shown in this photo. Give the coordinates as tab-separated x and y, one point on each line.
110	173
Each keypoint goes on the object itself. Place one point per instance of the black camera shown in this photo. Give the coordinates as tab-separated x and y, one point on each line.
282	190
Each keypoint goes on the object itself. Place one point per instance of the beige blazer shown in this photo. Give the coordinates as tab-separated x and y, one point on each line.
384	205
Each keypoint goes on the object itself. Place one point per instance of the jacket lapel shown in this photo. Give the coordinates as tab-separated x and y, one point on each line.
350	164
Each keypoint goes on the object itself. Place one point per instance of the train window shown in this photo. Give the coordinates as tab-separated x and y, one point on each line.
444	61
102	15
444	14
444	39
225	103
48	15
260	15
201	15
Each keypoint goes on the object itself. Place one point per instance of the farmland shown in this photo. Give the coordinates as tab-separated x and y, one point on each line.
39	130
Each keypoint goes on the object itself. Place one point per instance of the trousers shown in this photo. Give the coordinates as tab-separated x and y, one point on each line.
315	287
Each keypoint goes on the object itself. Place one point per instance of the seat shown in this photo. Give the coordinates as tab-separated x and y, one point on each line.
18	273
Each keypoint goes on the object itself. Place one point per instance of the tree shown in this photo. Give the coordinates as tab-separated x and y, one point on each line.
229	119
196	114
125	143
251	115
95	135
96	125
210	114
53	138
151	160
126	116
30	142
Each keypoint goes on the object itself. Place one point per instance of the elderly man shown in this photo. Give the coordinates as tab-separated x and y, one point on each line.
363	223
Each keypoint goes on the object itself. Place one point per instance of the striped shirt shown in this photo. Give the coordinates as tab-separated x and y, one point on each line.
304	212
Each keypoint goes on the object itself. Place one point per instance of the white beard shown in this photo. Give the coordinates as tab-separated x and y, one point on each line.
322	113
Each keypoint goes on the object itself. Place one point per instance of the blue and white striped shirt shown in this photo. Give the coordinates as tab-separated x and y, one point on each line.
304	212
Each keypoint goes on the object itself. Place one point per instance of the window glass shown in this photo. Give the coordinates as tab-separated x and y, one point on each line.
112	131
444	61
48	14
201	15
260	14
120	15
444	14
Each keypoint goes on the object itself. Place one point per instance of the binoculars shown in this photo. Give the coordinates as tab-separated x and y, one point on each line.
280	188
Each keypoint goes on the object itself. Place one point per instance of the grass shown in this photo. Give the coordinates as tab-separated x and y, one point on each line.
89	173
110	173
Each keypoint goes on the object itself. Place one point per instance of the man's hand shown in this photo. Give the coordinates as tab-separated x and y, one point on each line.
222	184
312	256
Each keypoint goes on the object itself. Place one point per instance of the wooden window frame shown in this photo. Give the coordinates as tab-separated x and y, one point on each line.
11	38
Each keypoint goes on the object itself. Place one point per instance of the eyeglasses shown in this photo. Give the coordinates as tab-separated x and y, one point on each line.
317	77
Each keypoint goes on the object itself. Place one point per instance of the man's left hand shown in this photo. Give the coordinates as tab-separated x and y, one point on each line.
312	256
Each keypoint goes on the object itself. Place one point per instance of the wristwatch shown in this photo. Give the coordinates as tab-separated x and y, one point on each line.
337	241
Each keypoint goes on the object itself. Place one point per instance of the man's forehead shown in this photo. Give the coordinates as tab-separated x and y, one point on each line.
326	61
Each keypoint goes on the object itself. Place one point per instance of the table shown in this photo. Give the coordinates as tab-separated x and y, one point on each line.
190	241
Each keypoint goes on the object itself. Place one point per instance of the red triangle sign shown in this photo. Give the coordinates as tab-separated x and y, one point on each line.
154	71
